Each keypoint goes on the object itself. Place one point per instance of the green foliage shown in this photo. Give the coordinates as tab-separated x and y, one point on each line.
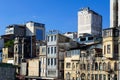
9	43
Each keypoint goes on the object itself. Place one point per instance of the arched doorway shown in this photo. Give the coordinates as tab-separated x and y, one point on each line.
83	77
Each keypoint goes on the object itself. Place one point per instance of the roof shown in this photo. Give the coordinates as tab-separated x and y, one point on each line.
16	25
89	10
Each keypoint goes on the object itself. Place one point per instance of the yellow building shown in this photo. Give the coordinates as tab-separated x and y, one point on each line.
97	61
33	68
7	55
71	64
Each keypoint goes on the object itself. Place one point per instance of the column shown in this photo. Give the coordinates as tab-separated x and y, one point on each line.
113	13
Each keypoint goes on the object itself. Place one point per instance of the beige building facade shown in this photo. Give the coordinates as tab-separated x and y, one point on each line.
43	61
89	64
7	55
33	68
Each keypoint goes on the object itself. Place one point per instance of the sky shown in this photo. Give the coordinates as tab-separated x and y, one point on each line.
55	14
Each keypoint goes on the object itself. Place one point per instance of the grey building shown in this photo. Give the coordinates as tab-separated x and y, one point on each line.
55	57
16	30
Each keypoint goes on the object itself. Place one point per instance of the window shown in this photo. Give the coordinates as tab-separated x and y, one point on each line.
68	76
96	66
100	76
96	76
51	61
43	50
55	38
100	66
104	49
84	67
16	49
48	50
67	65
88	77
104	77
68	54
90	38
77	65
92	76
54	49
88	66
104	66
48	61
107	33
108	49
73	65
51	38
116	49
54	61
82	39
51	50
116	33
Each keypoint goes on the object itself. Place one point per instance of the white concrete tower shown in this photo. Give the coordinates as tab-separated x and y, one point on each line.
114	13
89	22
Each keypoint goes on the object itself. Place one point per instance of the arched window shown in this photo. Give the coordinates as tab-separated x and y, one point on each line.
96	66
104	66
83	77
100	66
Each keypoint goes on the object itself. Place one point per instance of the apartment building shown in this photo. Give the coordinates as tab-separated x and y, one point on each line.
71	64
55	57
